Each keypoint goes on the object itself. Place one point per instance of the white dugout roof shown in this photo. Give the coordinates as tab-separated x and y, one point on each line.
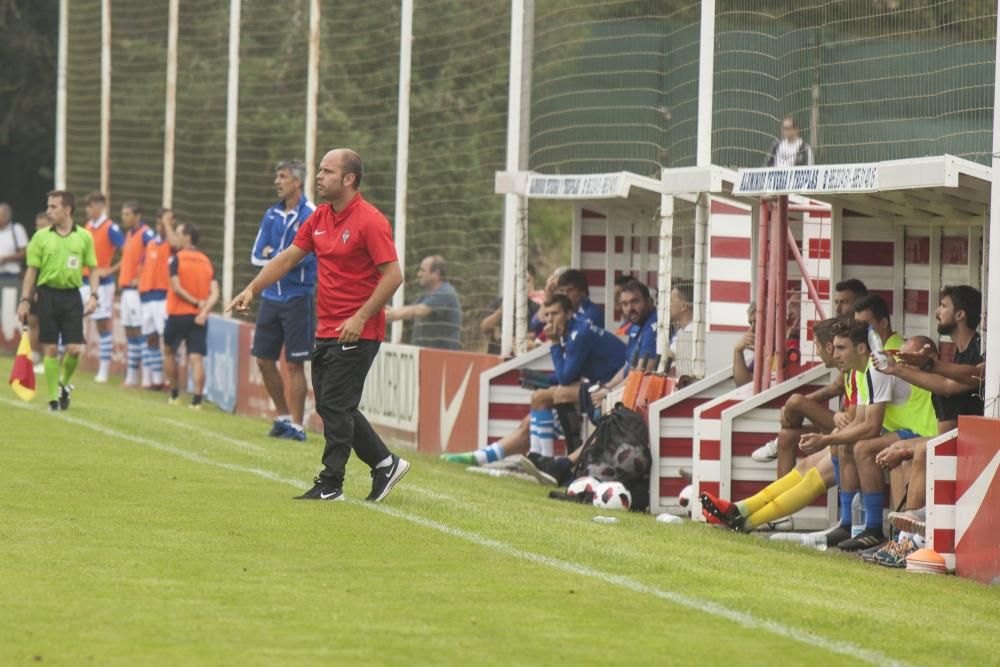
934	189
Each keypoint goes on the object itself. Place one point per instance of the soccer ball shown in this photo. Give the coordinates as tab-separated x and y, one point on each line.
684	497
612	496
582	485
600	471
630	463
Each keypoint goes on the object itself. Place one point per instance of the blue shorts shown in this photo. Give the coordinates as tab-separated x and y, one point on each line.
903	433
291	324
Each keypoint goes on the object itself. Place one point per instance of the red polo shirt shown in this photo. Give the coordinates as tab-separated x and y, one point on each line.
349	247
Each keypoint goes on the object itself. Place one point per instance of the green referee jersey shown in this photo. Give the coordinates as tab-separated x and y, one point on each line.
60	259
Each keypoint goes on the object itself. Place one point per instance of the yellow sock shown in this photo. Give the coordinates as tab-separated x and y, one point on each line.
769	493
791	501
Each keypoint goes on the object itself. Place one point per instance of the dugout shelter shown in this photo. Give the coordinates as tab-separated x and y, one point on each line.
908	228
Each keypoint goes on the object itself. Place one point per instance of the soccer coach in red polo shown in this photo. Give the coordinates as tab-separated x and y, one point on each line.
358	272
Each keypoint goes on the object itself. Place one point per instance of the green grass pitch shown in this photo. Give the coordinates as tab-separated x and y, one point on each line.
133	532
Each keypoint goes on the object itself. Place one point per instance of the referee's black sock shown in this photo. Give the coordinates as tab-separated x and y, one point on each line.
196	400
174	393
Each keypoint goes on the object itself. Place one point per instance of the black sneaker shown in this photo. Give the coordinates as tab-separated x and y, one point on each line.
536	465
53	406
64	390
384	478
837	535
870	537
322	490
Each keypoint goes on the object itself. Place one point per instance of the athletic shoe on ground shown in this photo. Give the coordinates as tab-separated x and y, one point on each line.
100	378
39	368
465	458
384	478
535	465
722	510
195	406
766	452
53	406
174	400
869	537
835	534
292	433
894	554
278	428
322	490
868	555
64	392
909	521
685	473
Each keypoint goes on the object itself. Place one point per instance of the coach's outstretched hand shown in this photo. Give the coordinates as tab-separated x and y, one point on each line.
241	303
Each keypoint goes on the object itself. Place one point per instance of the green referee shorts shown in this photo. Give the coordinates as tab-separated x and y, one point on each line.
60	312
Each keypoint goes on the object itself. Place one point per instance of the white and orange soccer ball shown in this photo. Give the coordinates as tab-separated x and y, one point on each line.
612	496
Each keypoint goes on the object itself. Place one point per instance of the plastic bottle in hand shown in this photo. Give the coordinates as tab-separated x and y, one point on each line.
875	343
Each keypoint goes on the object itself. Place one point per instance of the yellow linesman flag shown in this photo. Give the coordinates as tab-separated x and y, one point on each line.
22	375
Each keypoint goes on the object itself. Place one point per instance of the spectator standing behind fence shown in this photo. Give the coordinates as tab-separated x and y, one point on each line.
437	313
192	295
791	150
13	244
286	316
108	239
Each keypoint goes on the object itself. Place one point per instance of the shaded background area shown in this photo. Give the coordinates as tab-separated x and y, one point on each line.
30	30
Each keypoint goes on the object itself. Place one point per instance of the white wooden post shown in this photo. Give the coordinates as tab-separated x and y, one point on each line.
232	109
402	153
170	111
312	95
106	98
512	244
60	166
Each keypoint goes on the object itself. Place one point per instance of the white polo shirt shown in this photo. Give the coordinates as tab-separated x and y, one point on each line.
12	238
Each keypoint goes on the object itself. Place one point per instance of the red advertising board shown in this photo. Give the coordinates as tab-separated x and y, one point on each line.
449	399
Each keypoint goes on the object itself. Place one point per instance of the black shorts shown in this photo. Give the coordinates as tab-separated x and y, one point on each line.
60	313
291	324
182	329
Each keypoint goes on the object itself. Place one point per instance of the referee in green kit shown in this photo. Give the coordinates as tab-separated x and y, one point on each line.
56	257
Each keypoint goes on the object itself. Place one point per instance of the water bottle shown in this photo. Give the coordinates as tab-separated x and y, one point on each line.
857	515
875	343
810	540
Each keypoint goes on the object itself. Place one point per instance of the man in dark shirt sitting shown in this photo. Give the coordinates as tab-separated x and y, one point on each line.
956	388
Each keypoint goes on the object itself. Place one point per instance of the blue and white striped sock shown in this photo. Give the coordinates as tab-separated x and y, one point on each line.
135	347
107	346
489	454
155	364
542	433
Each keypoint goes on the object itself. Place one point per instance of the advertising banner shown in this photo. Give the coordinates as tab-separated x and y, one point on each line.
222	362
449	393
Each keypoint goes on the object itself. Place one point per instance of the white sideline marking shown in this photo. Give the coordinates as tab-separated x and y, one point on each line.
218	436
744	619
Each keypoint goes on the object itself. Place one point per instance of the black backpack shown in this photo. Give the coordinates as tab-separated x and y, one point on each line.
618	450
